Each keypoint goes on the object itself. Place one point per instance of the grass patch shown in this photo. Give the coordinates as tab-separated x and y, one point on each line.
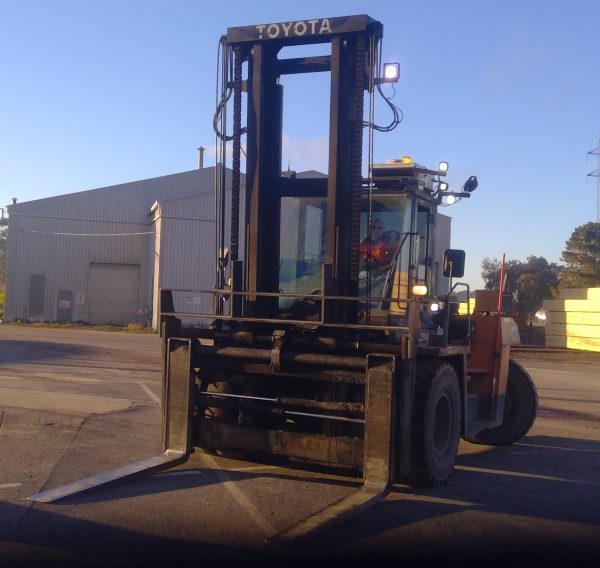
132	327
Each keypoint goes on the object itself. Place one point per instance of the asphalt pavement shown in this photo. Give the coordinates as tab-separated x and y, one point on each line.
76	402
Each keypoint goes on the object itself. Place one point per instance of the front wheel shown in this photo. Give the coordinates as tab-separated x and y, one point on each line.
435	424
520	409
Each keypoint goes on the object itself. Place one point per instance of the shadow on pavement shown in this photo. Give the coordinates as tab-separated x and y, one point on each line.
16	351
542	476
53	539
189	478
494	491
540	480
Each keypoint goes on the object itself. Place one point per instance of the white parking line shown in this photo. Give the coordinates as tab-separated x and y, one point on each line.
523	474
10	485
150	393
241	498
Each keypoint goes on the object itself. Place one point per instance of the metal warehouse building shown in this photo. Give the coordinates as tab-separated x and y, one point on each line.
100	256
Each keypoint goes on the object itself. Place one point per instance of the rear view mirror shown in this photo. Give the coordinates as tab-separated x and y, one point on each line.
454	263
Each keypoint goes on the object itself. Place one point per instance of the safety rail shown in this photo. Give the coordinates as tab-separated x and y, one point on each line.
321	298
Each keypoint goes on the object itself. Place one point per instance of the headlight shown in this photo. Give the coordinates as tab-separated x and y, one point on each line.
419	290
434	307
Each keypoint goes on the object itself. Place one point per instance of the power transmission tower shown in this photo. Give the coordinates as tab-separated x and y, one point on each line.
596	174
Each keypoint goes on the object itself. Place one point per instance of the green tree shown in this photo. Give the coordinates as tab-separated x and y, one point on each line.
537	281
582	258
490	272
529	283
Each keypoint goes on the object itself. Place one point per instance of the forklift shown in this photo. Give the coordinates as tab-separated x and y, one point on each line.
334	338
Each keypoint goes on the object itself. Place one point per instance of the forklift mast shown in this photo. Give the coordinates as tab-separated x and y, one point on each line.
352	63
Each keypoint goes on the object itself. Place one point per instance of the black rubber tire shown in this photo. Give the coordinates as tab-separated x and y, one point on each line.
519	409
435	423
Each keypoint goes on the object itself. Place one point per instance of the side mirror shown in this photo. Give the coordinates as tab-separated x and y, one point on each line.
454	263
471	184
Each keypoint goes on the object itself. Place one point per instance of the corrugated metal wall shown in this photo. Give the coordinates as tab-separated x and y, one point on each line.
36	246
185	233
60	237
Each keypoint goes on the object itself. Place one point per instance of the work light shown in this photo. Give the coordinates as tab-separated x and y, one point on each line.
391	72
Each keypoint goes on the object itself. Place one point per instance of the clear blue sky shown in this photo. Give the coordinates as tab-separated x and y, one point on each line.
99	92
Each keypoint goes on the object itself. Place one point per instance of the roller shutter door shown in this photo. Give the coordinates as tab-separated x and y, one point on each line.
113	293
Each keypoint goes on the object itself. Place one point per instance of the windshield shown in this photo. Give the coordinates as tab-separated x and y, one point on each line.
384	250
303	243
383	255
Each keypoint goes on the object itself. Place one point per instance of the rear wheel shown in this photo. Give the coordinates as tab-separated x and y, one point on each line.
520	409
436	423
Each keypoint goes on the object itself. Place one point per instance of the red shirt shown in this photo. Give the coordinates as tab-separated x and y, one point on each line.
381	250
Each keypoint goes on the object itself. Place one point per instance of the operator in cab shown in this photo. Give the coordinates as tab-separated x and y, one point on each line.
382	247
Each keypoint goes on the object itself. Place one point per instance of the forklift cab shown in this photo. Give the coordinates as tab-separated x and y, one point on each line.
395	249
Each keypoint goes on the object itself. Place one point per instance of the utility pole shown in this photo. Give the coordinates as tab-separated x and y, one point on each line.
596	174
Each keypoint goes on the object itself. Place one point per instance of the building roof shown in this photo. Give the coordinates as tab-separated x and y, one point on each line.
122	202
